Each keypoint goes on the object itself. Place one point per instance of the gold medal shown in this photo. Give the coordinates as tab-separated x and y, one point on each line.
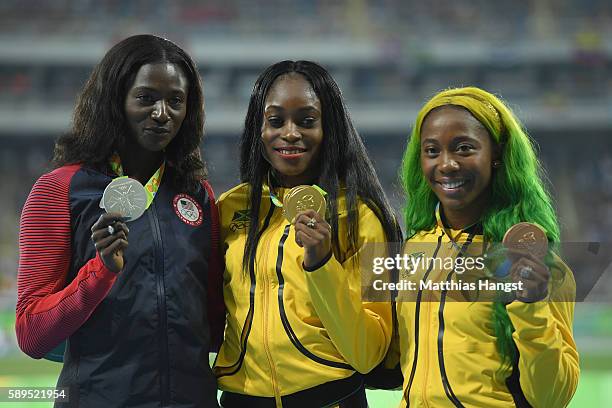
527	237
302	198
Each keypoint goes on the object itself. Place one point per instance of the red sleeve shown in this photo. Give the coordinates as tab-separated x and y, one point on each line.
47	310
216	307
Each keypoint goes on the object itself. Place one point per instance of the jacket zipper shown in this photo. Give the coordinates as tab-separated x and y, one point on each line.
164	365
416	326
426	351
426	345
266	317
440	338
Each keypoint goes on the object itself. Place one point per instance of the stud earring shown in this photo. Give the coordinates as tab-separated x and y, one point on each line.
496	163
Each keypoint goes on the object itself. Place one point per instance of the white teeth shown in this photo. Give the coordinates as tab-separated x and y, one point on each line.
453	184
289	151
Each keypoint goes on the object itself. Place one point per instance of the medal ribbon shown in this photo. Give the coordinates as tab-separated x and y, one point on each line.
453	240
152	185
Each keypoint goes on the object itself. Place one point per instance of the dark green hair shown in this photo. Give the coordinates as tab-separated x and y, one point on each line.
518	193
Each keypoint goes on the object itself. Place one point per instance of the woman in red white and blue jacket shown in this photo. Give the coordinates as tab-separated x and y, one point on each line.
139	304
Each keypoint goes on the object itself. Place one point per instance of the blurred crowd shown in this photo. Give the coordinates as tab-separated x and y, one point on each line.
403	30
412	19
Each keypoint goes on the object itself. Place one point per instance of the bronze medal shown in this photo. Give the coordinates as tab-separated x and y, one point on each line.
302	198
527	237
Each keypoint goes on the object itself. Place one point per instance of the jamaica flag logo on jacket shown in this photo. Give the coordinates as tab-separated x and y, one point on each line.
240	220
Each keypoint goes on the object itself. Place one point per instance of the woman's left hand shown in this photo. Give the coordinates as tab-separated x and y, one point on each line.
313	234
533	273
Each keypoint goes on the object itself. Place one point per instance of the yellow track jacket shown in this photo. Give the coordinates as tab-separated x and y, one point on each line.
448	348
288	329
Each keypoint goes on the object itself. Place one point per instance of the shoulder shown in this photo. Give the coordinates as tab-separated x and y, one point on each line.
56	181
208	189
239	192
233	205
370	225
364	210
48	202
368	212
425	235
60	175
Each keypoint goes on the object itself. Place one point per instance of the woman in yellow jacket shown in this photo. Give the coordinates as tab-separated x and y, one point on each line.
470	173
298	333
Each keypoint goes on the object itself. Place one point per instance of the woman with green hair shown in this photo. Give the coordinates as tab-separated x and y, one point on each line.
470	173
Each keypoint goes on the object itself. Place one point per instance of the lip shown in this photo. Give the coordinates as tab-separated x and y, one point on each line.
290	152
452	186
157	130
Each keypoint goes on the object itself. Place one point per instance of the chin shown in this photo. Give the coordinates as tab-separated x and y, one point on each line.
288	171
155	149
452	204
156	146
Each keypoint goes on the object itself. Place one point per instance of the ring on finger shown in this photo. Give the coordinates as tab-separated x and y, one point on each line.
110	229
525	272
312	223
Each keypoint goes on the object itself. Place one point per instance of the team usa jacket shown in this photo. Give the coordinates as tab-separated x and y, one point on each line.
289	329
138	338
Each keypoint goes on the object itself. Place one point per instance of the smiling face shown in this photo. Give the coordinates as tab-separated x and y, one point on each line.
292	130
155	105
457	154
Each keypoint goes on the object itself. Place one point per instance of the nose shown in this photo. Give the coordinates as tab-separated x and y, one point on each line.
291	133
448	163
160	112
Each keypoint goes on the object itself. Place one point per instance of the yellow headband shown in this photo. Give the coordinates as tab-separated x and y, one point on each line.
480	104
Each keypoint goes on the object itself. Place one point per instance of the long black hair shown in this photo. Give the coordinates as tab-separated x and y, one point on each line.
343	157
99	125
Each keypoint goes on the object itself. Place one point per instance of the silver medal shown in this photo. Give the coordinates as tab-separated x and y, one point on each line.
125	196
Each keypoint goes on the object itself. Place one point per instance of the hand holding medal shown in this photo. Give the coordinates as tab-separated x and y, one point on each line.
527	247
304	206
124	199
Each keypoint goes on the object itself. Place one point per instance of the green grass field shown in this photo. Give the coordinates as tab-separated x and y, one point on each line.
594	390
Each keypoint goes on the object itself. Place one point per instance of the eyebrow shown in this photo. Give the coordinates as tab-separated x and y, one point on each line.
147	88
456	139
465	138
306	108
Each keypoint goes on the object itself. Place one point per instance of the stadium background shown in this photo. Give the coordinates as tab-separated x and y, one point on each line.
550	59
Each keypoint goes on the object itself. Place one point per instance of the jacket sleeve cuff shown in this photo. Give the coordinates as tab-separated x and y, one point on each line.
318	265
523	308
101	270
